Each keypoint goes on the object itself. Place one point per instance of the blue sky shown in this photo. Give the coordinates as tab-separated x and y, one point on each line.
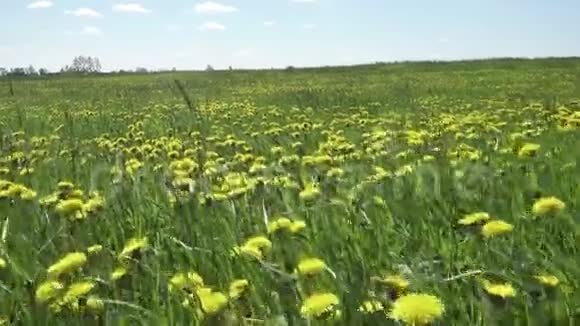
277	33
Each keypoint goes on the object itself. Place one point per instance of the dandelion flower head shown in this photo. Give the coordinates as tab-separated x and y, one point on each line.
495	228
417	309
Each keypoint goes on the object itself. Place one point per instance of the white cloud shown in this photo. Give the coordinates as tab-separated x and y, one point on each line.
131	7
269	23
210	7
91	30
40	4
212	26
83	12
443	40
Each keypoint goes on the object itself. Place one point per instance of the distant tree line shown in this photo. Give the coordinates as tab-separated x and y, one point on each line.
80	65
22	72
86	65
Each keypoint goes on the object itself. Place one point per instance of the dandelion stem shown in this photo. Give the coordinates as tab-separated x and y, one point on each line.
463	275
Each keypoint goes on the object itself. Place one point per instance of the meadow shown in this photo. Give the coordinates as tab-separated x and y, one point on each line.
387	194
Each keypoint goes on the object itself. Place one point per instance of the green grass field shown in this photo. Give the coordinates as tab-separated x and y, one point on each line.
392	194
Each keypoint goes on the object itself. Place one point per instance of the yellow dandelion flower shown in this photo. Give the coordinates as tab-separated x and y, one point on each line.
500	290
379	201
190	152
26	171
310	267
529	149
4	194
547	280
76	291
186	282
69	263
5	184
397	282
259	242
297	226
257	168
28	195
183	183
371	306
277	150
69	206
133	246
76	194
238	288
318	305
65	186
211	302
118	273
280	224
417	309
49	200
95	303
548	206
2	263
404	170
251	251
310	192
219	197
48	291
14	190
92	250
94	204
428	158
474	218
132	166
173	155
195	279
495	228
178	281
335	173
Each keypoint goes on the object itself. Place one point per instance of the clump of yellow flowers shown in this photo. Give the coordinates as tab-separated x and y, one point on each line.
57	293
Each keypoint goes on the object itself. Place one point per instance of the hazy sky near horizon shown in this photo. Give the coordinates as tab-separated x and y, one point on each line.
276	33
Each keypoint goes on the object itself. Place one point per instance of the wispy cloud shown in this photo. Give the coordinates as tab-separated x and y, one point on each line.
210	7
83	12
40	4
443	40
131	7
269	23
308	26
212	26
